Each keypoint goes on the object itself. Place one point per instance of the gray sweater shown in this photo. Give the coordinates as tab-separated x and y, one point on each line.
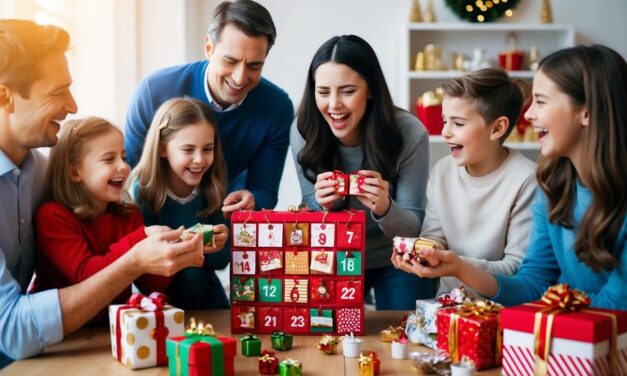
408	197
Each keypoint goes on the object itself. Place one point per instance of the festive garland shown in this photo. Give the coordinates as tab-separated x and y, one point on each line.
481	10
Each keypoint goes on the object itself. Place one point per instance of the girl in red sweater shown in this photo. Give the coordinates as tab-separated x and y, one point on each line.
87	222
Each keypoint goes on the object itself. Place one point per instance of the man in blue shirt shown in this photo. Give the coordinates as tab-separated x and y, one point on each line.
253	116
34	99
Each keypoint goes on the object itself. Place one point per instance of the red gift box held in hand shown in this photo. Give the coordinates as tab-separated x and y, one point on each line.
471	330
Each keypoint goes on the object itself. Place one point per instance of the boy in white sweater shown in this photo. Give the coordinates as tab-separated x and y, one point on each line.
478	198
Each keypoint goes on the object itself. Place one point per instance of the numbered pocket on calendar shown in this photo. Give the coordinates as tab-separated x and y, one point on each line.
322	262
243	318
270	320
296	321
296	290
244	235
243	289
270	235
270	261
244	262
349	235
349	263
296	261
321	290
297	234
322	234
348	291
270	290
349	320
321	320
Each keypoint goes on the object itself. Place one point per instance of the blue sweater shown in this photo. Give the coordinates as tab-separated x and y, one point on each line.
551	260
254	137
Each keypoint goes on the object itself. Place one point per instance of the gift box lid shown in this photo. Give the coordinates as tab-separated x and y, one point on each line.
200	352
582	326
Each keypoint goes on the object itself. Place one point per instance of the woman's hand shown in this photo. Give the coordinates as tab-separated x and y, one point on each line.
376	193
326	190
220	234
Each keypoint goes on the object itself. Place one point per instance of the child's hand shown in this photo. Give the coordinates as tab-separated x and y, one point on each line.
376	194
220	234
444	263
151	230
326	190
427	260
238	200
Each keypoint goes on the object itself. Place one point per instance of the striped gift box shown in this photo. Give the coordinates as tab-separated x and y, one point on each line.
580	342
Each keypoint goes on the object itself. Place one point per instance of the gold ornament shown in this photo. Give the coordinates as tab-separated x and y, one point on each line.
416	13
546	15
430	13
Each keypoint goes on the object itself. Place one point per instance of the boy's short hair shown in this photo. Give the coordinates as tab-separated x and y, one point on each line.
493	94
23	45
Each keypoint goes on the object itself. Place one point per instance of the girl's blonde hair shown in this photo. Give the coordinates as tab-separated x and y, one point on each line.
67	153
152	169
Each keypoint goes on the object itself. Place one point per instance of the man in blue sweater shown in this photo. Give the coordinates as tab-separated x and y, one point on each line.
253	116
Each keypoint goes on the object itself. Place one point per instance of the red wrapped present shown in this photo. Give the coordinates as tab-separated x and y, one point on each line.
268	363
431	118
341	185
200	353
560	335
356	181
471	330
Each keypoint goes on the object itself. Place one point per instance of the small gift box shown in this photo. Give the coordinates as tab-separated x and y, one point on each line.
471	330
356	181
409	248
139	330
290	367
199	352
342	182
281	341
369	364
512	59
199	228
589	340
391	333
429	111
328	344
251	345
268	363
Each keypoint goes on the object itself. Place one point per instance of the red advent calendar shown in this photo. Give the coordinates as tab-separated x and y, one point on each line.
299	272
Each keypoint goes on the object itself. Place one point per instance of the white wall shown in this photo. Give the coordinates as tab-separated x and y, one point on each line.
117	42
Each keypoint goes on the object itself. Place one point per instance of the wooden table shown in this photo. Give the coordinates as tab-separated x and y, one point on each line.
88	352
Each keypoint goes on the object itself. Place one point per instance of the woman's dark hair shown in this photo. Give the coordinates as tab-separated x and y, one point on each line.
381	135
594	78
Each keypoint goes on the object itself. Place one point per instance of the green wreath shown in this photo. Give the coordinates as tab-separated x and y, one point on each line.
481	10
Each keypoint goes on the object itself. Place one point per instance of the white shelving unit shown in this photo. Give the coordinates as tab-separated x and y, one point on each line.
464	38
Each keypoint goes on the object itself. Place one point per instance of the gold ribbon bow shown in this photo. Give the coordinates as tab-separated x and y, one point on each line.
200	329
481	309
562	299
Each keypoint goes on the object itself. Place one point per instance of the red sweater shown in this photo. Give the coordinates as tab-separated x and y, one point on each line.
70	250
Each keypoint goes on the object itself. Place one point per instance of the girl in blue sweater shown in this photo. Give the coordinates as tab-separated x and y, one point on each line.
579	228
180	180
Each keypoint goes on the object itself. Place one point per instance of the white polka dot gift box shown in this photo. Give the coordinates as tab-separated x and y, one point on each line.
561	335
140	327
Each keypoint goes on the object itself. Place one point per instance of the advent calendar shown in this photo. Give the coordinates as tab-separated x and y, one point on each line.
298	272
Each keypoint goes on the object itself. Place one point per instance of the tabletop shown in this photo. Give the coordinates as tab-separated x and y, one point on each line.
88	352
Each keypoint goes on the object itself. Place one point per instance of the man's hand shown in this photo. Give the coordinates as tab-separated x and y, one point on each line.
238	200
165	254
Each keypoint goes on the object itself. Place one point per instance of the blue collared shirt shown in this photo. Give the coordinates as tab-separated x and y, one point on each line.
28	323
215	106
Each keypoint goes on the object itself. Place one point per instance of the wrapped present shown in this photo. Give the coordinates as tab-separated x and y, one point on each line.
200	352
429	111
560	333
472	330
281	341
251	345
290	367
369	364
342	182
356	181
427	363
322	262
391	333
139	330
199	228
268	363
512	59
243	289
328	344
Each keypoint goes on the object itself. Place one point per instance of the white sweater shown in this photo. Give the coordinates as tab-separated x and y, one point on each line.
486	220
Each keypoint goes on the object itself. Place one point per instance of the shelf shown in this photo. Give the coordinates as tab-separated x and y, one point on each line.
513	145
445	75
466	26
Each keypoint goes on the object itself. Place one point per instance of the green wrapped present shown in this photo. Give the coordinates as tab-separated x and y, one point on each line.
199	228
251	345
290	367
281	341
